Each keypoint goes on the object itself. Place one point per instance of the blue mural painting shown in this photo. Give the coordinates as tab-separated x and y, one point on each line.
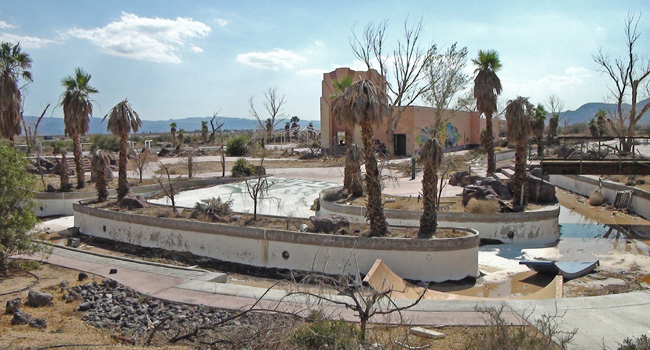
453	136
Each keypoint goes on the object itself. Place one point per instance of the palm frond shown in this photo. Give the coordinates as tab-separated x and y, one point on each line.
518	116
122	119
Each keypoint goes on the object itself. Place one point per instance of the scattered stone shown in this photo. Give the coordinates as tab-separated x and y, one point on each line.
64	284
20	317
132	201
163	152
82	276
112	271
50	188
329	223
38	299
235	218
426	333
13	305
38	323
73	242
112	284
304	228
596	198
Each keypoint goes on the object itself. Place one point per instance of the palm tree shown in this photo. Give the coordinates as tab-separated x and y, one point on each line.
63	173
122	119
552	128
204	132
537	127
77	109
431	157
601	122
98	165
518	116
363	103
14	65
487	87
172	129
181	136
593	129
352	170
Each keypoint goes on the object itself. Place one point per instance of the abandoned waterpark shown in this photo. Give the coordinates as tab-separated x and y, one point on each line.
417	209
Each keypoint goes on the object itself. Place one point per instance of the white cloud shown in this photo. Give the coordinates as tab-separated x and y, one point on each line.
141	38
319	43
5	25
197	49
223	22
273	60
26	42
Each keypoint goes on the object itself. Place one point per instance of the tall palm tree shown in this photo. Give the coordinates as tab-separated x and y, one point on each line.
352	170
14	65
537	127
365	104
552	128
601	122
431	157
98	165
204	132
518	116
593	129
181	136
172	129
122	119
487	87
77	109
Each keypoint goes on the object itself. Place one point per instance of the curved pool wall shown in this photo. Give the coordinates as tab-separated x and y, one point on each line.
535	228
60	203
433	260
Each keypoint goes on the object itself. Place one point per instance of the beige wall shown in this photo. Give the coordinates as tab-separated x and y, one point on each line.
464	132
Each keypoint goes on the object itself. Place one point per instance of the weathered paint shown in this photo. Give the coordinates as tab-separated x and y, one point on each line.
427	260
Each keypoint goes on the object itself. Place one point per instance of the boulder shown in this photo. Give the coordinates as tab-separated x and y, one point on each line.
82	276
596	198
163	152
132	201
50	188
13	305
477	192
329	223
38	323
502	190
73	242
20	317
39	299
455	178
46	164
540	191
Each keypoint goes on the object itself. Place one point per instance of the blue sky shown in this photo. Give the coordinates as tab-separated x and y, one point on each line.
176	59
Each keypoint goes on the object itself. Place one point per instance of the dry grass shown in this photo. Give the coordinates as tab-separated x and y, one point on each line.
487	206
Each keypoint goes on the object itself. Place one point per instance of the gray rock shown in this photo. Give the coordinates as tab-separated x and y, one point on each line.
73	242
132	201
20	317
82	276
304	228
329	223
38	323
477	192
85	306
39	299
502	190
13	305
64	284
50	188
455	178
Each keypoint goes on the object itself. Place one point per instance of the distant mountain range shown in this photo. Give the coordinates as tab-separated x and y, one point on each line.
54	126
588	110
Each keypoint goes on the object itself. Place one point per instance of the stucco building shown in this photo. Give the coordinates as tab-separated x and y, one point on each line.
463	128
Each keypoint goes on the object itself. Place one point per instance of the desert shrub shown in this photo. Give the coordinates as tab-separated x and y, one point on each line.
213	208
483	206
237	146
105	142
56	146
501	335
640	343
326	334
242	168
163	138
333	195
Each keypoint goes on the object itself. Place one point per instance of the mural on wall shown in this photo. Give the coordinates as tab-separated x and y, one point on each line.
451	139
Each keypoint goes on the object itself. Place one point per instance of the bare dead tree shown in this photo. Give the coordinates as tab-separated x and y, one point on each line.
168	188
628	75
445	78
190	166
258	188
466	102
274	105
407	65
141	162
216	127
30	135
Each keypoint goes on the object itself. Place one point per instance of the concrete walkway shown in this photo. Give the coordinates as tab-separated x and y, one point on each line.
603	320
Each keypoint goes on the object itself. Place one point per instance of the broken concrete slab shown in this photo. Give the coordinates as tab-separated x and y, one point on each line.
426	333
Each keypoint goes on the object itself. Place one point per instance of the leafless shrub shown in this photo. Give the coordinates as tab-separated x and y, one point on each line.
483	206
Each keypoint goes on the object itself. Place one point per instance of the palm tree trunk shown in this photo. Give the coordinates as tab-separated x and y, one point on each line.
519	177
429	219
352	171
489	144
63	173
79	167
122	183
375	213
100	183
347	171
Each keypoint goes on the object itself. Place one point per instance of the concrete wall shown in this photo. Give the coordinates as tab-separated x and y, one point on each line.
536	228
584	185
427	260
60	203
